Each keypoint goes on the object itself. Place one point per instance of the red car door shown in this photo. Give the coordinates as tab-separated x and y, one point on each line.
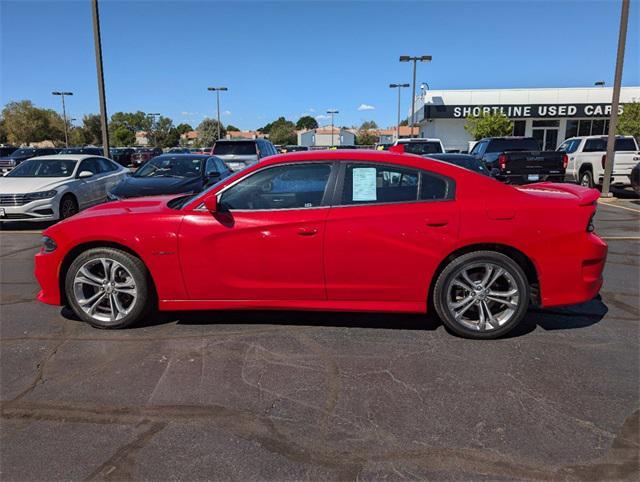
267	241
391	229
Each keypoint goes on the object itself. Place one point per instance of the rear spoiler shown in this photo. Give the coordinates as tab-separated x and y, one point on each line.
586	196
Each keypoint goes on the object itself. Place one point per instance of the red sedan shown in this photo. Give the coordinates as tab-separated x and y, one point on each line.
333	230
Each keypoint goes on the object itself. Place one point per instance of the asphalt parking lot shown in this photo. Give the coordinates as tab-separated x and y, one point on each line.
291	396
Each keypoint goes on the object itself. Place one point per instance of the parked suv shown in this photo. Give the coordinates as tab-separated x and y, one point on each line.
586	158
19	155
238	154
143	154
421	146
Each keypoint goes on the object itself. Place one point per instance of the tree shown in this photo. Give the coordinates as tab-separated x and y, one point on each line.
306	122
367	125
283	134
280	121
629	121
3	131
404	122
161	135
121	137
231	128
77	137
208	132
184	128
92	127
134	121
25	123
493	124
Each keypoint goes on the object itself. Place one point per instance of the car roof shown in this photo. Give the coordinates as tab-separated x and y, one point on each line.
419	139
71	157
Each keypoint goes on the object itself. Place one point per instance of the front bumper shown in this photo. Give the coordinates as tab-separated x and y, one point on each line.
39	210
47	272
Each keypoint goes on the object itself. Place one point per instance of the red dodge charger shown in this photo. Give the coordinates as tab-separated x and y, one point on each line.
333	230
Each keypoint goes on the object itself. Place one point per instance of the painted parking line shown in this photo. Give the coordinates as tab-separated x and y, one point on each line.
620	238
619	207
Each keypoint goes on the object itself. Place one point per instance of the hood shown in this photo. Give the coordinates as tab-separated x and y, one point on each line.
583	195
132	186
18	185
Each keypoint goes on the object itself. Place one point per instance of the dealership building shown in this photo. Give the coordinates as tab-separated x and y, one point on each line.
549	115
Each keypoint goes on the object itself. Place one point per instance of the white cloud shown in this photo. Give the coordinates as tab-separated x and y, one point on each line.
226	112
366	107
311	109
189	114
322	116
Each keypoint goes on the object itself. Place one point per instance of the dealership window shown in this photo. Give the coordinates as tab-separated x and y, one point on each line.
519	127
586	127
281	187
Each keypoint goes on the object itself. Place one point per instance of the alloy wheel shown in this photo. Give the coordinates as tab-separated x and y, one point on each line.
104	289
483	296
68	208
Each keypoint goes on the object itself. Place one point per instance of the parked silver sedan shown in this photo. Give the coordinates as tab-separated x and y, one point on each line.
56	187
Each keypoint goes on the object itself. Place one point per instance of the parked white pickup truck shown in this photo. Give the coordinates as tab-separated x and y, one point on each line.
586	156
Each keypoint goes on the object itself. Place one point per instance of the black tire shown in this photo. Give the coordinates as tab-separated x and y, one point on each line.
586	178
445	282
142	283
68	206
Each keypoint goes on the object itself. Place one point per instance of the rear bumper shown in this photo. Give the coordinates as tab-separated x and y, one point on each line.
47	270
583	281
529	178
617	180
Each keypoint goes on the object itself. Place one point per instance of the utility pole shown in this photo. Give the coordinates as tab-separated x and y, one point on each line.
217	91
103	100
415	60
64	115
399	87
153	116
332	112
611	139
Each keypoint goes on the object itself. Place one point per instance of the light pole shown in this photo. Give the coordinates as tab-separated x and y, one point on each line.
617	81
599	83
64	115
217	91
103	100
415	60
332	113
399	87
153	123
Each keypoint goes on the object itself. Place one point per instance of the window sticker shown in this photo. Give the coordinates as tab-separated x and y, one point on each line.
364	184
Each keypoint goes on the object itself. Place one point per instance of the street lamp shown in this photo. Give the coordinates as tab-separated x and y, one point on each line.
399	87
153	116
599	83
217	91
415	60
332	113
64	115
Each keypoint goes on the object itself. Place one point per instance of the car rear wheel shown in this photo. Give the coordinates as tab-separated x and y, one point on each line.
586	179
482	295
108	288
68	206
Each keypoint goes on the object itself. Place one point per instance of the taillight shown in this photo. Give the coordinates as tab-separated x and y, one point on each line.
565	161
502	162
604	160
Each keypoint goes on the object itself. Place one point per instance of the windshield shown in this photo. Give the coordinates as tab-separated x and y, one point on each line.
428	147
23	152
44	168
235	148
171	166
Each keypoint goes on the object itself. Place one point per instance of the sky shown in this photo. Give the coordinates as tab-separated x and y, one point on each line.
301	58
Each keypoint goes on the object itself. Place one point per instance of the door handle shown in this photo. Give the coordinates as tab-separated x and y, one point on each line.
307	231
437	222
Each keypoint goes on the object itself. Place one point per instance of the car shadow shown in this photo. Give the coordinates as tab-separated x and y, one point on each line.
569	318
25	225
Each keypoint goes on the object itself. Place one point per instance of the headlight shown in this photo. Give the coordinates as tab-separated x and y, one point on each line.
48	244
32	196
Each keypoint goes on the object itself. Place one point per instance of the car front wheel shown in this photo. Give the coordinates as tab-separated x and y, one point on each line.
482	295
108	288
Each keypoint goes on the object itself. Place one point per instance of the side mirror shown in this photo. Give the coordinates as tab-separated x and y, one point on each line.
213	175
211	203
85	174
